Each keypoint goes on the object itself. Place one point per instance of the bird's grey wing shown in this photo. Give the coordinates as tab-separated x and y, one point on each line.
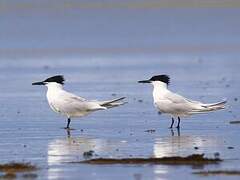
193	102
68	102
174	104
73	103
69	97
175	98
183	103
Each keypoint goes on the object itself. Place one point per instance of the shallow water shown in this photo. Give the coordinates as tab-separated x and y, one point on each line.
203	64
31	132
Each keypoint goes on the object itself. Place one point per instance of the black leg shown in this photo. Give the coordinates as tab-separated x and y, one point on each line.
171	124
68	133
178	131
68	123
178	125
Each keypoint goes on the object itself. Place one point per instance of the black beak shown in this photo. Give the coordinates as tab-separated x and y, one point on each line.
144	81
38	83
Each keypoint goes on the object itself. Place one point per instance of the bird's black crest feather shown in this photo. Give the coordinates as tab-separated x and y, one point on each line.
164	78
58	79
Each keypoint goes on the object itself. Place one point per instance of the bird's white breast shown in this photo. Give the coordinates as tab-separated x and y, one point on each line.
53	97
159	91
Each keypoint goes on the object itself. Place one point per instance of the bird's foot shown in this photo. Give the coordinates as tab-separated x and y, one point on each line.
68	128
170	127
178	127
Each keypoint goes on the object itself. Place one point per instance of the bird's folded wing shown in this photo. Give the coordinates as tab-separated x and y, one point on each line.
71	97
176	98
72	103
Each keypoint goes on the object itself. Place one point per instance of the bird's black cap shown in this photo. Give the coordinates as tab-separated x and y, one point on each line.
163	78
58	79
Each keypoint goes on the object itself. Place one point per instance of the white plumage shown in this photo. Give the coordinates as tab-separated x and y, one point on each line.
175	105
71	105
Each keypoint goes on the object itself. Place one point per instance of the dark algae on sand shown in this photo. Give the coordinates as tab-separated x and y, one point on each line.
218	172
10	170
194	159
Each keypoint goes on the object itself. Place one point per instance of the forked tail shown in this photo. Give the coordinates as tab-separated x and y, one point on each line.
209	107
113	103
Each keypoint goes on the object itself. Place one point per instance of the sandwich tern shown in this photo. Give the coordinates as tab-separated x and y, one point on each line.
71	105
177	106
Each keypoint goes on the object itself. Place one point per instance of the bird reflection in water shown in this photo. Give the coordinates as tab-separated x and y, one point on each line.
184	145
173	133
71	149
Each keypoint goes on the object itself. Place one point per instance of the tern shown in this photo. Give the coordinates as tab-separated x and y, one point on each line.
176	105
71	105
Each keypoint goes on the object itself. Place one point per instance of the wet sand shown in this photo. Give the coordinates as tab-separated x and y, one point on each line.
31	132
103	49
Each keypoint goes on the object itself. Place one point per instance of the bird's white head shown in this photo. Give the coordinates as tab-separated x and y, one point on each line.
54	81
158	80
